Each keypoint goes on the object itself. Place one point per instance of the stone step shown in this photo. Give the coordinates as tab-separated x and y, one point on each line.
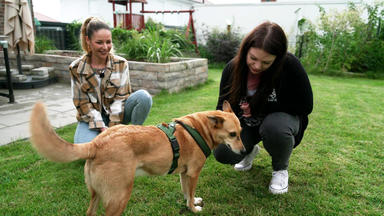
40	77
25	68
42	71
19	78
3	72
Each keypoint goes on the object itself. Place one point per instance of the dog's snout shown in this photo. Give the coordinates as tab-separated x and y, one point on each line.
243	151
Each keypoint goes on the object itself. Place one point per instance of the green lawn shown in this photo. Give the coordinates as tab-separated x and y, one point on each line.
337	170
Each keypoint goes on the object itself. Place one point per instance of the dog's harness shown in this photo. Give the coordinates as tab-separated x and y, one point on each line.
198	138
170	129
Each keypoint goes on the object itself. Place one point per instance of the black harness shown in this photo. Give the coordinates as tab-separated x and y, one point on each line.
170	129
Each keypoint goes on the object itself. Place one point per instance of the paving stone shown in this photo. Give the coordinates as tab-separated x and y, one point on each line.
14	133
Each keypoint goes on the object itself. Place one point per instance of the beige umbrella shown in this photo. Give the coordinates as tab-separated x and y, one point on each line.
27	41
12	25
18	27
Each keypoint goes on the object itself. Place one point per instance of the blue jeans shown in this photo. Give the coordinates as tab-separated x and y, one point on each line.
136	110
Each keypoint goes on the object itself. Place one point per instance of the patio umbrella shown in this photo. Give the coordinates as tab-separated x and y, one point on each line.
27	41
12	26
18	27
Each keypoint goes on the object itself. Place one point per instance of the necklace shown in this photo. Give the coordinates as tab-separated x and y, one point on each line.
99	71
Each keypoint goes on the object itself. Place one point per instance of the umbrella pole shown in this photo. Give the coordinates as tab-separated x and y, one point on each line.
11	97
18	59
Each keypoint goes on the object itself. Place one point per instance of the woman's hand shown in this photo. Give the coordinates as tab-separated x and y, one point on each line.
246	109
103	129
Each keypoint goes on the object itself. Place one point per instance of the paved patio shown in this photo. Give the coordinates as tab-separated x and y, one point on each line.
14	118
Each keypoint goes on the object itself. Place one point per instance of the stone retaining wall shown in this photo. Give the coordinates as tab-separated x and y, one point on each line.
153	77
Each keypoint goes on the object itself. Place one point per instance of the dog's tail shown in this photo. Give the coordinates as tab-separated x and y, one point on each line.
45	140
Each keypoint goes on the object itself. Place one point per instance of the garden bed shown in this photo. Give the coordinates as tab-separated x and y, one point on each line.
172	77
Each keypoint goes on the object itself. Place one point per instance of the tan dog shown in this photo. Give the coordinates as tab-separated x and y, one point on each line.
115	156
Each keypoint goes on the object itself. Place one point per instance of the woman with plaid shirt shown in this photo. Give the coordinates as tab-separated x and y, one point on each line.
101	88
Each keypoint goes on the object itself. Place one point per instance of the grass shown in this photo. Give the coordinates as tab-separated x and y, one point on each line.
338	168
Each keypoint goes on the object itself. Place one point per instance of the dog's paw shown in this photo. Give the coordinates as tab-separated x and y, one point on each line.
198	208
198	201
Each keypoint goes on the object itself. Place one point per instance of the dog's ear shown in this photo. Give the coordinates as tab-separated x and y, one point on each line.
227	107
216	121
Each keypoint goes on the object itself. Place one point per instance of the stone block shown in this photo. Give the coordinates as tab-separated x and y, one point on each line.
62	67
40	77
19	78
42	71
136	74
3	72
177	66
27	67
133	65
156	67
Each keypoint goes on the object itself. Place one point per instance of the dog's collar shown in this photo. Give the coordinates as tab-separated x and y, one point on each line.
197	137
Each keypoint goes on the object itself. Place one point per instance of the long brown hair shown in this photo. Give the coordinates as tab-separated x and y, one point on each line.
90	26
271	38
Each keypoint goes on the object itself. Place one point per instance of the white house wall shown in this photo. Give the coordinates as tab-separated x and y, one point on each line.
245	17
79	10
168	19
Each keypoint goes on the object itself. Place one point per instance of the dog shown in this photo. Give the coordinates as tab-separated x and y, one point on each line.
121	152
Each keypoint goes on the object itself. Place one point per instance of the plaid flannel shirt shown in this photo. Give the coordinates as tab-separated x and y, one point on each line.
92	95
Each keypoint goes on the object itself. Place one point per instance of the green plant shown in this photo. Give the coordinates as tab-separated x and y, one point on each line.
73	36
154	44
151	25
344	41
43	44
220	46
160	49
120	36
177	37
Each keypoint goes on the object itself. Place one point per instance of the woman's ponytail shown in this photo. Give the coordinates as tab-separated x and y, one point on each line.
89	26
83	35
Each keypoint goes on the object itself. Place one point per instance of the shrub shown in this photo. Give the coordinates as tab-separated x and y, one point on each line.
73	36
221	46
154	44
344	41
121	36
43	44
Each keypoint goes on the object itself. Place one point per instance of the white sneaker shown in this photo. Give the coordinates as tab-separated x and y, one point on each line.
279	182
246	163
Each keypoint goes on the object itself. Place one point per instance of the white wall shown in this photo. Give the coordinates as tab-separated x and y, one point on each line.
168	19
79	10
246	16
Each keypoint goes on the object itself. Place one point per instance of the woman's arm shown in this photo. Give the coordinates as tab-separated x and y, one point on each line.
225	83
121	81
296	91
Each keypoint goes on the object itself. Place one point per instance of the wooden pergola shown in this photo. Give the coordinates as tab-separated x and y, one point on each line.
136	21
